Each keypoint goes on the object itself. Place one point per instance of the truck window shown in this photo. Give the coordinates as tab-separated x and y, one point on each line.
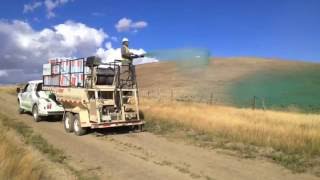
39	87
30	87
25	88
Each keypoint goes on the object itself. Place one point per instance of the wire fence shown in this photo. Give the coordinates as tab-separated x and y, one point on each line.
184	95
175	94
207	97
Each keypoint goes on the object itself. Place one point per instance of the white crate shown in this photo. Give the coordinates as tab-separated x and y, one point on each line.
65	67
77	79
77	66
46	70
65	80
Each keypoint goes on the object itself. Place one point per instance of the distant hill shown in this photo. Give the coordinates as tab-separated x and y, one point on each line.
234	81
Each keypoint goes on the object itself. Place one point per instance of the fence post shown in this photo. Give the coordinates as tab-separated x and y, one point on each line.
159	94
254	103
263	104
171	94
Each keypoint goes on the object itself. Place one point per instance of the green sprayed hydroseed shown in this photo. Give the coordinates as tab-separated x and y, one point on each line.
297	89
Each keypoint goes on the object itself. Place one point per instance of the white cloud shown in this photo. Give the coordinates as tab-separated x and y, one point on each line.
3	73
31	7
113	38
53	4
108	45
98	14
24	49
126	24
49	5
123	24
80	37
139	24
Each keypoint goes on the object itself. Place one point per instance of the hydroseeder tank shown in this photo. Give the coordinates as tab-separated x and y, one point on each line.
94	94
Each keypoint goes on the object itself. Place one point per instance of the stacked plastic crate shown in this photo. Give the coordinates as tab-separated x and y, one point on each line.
51	73
77	72
65	73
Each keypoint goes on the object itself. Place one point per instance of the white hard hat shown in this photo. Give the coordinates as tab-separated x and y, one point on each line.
125	40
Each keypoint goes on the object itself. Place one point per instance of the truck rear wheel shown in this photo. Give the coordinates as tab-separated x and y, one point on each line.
78	130
35	113
20	110
68	122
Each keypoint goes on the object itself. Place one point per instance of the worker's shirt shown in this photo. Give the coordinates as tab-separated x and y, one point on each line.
125	53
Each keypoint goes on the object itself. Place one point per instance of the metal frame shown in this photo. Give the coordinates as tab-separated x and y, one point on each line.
69	73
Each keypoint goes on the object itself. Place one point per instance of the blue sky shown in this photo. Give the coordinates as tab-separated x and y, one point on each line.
288	29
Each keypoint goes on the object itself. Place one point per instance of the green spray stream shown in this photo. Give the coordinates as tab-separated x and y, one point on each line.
185	58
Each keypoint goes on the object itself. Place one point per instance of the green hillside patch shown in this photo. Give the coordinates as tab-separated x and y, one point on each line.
291	89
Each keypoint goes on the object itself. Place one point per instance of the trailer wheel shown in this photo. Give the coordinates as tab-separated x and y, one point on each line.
68	122
35	113
78	130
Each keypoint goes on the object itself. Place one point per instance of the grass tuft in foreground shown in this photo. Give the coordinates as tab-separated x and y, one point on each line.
17	162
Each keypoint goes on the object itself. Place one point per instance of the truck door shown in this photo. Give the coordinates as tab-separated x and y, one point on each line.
26	97
23	96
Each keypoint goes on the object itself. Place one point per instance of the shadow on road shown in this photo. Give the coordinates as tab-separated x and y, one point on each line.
114	131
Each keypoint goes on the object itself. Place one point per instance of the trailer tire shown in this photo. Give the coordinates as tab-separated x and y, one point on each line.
35	113
68	119
78	130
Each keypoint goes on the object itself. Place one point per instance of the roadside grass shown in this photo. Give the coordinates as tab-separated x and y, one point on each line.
37	141
290	139
16	162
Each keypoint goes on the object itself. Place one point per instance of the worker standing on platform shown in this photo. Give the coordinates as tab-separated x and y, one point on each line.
127	68
127	56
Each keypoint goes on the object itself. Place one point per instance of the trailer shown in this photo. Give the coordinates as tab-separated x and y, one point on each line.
94	94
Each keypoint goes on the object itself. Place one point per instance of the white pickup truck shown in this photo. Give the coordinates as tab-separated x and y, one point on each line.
40	103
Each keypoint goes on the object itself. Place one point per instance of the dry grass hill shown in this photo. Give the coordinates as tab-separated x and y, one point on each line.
230	79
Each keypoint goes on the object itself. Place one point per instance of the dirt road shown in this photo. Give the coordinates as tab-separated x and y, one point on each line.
146	156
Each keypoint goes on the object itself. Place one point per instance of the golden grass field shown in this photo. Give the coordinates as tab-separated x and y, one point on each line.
287	132
25	154
9	89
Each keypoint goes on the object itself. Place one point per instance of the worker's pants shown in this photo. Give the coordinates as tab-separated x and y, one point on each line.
127	75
